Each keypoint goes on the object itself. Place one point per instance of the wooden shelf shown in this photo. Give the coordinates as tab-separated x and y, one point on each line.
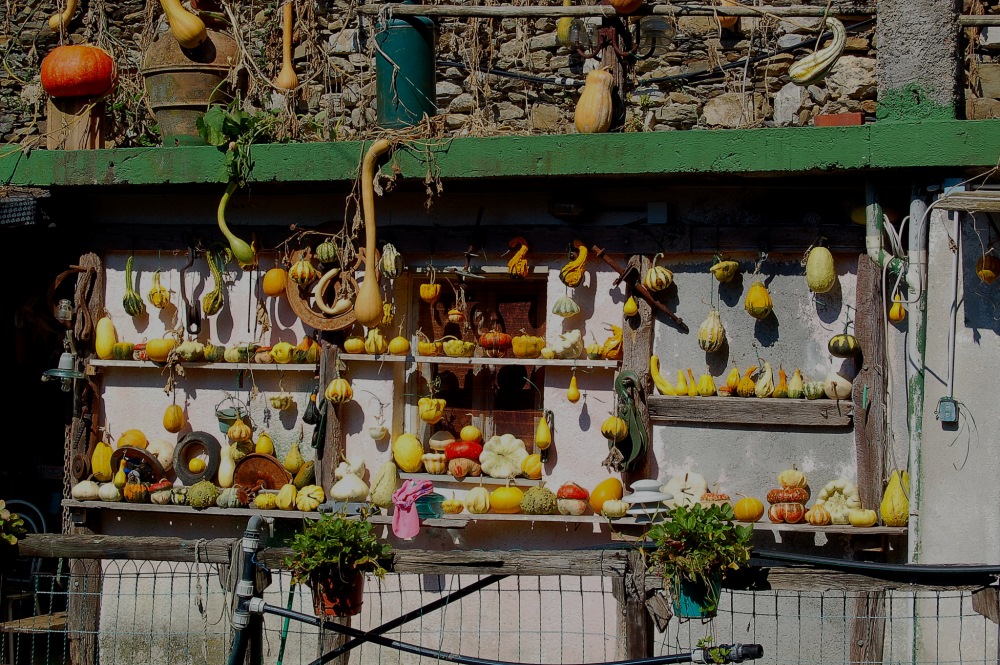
254	367
469	480
461	520
762	413
582	363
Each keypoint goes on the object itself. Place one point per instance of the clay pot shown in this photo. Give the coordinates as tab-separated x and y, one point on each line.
338	593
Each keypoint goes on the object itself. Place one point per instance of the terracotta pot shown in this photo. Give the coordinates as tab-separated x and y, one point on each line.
181	83
338	593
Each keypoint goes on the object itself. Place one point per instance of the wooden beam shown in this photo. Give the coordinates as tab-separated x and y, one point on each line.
987	602
869	385
330	452
750	411
84	604
868	628
509	11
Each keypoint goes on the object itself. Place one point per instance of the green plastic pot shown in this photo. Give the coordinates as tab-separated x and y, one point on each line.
696	600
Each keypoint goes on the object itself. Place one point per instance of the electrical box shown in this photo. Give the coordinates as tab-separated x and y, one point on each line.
947	411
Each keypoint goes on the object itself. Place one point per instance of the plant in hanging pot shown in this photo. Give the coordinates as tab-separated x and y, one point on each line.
693	549
333	555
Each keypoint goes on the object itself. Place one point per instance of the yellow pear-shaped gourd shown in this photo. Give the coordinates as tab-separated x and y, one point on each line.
895	506
188	29
543	435
692	385
105	338
682	384
227	467
265	445
631	308
706	385
593	111
897	312
573	393
120	477
733	380
293	460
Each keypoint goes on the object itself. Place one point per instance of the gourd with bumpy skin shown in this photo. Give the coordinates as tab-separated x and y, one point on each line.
816	66
571	274
657	278
517	266
265	502
527	346
214	300
384	485
593	110
452	506
614	509
191	351
612	348
895	507
105	338
539	500
202	495
159	295
711	334
821	274
132	301
392	262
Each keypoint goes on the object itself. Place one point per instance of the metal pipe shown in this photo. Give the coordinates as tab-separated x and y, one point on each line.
952	322
606	11
875	233
916	344
251	545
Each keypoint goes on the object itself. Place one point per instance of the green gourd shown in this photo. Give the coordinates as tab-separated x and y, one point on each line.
844	346
305	475
212	303
243	252
814	389
326	252
134	306
215	354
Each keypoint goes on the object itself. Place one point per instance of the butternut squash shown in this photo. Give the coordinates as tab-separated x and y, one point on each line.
593	110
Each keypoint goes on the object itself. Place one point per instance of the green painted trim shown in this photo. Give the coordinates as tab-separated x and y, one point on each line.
889	145
911	103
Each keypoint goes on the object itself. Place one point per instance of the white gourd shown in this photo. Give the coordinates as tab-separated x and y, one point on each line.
350	488
86	490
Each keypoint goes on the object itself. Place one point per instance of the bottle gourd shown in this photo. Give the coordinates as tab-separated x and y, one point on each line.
593	110
286	80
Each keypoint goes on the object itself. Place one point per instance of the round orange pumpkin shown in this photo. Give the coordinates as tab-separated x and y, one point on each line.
274	282
610	488
625	6
748	509
78	70
788	495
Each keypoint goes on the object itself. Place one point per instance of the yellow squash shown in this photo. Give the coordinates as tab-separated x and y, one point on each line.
431	410
105	338
572	273
100	462
661	384
895	506
593	110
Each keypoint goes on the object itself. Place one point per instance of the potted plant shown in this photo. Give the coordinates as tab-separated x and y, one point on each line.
12	529
693	550
333	555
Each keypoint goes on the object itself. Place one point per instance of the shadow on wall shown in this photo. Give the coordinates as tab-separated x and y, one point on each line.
980	301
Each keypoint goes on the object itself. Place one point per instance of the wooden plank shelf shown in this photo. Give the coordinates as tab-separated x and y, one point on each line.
469	480
461	520
232	367
583	363
751	411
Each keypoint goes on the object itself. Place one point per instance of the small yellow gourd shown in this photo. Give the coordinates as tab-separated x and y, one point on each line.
573	393
265	445
100	462
188	29
631	307
543	435
375	342
657	278
758	302
563	26
593	110
897	312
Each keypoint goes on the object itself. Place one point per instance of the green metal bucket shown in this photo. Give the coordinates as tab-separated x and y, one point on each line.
405	85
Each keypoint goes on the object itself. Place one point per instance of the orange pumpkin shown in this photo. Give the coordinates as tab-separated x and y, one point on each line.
78	70
788	495
818	516
789	513
606	490
495	343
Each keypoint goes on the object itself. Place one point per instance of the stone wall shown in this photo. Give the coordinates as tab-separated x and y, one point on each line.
334	57
982	65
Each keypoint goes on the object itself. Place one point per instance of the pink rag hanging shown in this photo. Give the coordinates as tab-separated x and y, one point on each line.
405	521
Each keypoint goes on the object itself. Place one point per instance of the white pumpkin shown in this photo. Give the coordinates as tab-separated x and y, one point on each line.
163	451
108	492
840	497
837	386
686	489
349	488
502	456
86	490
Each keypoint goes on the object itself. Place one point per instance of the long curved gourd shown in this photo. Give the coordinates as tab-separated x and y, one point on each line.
368	306
243	252
64	17
816	66
287	80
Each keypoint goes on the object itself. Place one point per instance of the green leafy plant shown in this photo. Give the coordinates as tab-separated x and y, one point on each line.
334	543
716	655
698	544
234	130
12	526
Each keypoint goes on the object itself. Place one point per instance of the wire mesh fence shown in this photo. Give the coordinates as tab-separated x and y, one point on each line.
179	613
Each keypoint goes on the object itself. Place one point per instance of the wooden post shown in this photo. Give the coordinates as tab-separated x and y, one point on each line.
83	611
630	589
329	454
868	625
329	640
74	124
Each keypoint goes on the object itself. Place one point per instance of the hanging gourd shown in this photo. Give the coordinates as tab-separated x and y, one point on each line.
844	346
724	271
821	273
815	66
593	110
326	252
711	334
987	268
134	306
517	267
187	29
62	19
79	70
657	278
239	432
173	419
572	273
303	272
368	305
213	301
431	291
614	429
758	302
339	391
392	263
287	80
573	393
159	296
897	312
631	307
565	307
244	253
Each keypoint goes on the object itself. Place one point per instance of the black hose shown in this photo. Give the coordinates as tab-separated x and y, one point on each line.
914	573
575	83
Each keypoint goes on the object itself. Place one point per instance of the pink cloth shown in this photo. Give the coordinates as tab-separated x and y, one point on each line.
405	521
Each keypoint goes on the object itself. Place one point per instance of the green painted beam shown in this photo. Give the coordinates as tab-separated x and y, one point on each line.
947	144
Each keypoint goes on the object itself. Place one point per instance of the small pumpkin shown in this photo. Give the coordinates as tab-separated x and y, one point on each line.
506	500
788	495
375	342
814	389
326	252
455	315
158	350
532	466
354	344
571	499
565	307
123	351
527	346
274	282
711	334
339	391
844	346
787	513
748	509
215	354
303	272
862	517
136	491
134	438
430	292
614	508
78	70
435	463
606	490
614	429
758	301
818	516
309	497
452	506
495	343
657	278
792	478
